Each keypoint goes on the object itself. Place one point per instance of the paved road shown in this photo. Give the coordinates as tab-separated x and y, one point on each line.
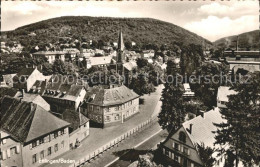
130	148
98	137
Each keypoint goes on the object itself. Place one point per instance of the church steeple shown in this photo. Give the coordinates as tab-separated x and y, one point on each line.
121	45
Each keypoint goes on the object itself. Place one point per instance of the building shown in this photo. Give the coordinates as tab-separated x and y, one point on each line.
63	92
187	91
120	57
100	61
8	80
147	54
222	96
51	56
109	106
26	78
12	92
36	99
179	149
29	133
247	60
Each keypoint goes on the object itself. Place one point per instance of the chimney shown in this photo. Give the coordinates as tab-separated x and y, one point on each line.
202	114
190	129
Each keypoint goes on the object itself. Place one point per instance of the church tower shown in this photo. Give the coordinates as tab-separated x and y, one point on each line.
120	54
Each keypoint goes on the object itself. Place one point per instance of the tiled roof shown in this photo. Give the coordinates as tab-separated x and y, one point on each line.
26	121
73	117
224	92
63	87
8	91
106	97
203	127
25	71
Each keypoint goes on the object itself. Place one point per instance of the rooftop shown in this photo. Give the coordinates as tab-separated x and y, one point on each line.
203	127
106	97
27	121
224	92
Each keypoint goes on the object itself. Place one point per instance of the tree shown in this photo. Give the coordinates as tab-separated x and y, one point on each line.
59	67
205	154
240	132
172	112
141	62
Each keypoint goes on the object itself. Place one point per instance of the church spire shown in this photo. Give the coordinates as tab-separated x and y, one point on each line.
121	45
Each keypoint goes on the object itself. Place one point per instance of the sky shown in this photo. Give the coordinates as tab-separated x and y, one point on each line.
211	20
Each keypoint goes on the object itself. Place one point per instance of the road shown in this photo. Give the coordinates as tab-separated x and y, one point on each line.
129	150
98	137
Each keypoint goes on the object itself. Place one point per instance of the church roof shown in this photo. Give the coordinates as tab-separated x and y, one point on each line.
121	45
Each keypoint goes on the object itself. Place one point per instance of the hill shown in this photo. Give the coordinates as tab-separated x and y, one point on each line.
249	40
139	30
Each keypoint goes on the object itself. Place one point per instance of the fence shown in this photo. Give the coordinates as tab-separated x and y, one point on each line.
111	144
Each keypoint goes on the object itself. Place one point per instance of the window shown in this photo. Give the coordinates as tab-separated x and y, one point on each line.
41	141
108	118
49	151
176	146
55	134
34	144
56	147
117	117
167	152
34	158
182	137
42	154
176	157
185	150
62	144
13	150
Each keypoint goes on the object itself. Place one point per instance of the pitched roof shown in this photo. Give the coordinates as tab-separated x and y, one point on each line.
224	92
63	87
8	91
121	45
202	127
26	121
25	71
100	60
73	117
106	97
130	65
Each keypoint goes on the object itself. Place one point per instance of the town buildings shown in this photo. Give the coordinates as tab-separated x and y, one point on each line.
110	106
247	60
30	133
180	147
51	56
26	78
222	96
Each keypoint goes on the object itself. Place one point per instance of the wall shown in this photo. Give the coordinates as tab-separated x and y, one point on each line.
80	98
193	156
36	75
28	152
81	133
41	102
14	159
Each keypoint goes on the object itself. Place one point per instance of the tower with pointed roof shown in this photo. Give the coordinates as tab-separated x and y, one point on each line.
120	60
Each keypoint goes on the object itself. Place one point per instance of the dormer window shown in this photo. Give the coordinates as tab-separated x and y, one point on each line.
182	137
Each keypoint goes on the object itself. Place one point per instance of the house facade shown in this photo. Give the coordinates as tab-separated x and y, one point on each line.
222	96
247	60
180	147
51	56
39	135
26	78
106	107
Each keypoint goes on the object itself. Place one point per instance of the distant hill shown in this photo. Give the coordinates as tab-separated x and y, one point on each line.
249	40
139	30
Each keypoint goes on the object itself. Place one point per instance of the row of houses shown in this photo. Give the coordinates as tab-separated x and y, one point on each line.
45	116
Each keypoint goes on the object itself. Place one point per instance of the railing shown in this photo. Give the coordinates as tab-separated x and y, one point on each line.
112	143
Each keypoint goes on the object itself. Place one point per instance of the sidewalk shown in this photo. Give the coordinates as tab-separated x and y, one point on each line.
98	137
135	141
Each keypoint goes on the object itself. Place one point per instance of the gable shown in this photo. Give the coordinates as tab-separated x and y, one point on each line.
194	156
